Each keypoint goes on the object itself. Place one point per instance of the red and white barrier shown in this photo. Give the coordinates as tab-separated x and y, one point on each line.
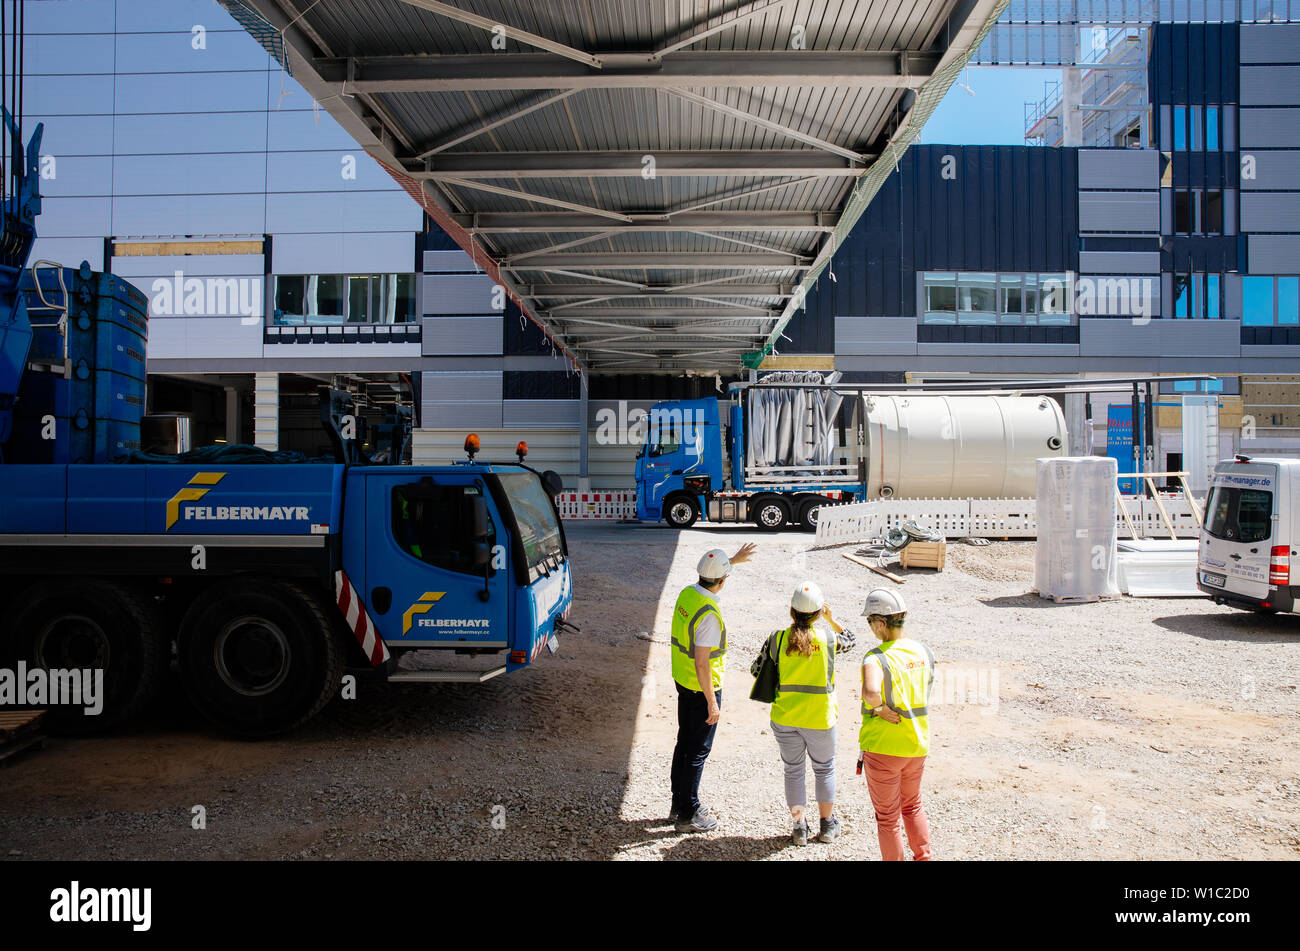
585	505
359	621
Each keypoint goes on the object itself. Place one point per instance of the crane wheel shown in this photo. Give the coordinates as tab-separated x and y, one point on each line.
103	643
259	657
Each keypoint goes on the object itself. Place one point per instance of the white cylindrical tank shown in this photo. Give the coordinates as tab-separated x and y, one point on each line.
959	446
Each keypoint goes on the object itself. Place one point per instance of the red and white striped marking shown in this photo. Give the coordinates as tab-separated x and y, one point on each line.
613	505
359	620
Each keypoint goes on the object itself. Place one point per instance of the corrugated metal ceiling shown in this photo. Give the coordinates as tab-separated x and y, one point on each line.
689	156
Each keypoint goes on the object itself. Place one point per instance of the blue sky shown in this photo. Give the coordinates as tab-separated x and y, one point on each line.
995	114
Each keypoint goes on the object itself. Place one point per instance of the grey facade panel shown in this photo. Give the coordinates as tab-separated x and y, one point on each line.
1277	211
1110	295
1270	85
449	261
1274	170
1119	212
1119	262
1270	43
1119	168
997	350
460	294
1273	253
551	414
1159	338
462	336
479	415
872	335
1263	128
462	386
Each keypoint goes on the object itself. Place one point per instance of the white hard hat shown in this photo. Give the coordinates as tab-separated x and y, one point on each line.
885	602
807	598
714	565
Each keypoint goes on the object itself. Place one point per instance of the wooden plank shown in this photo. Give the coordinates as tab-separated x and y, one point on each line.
1161	506
1123	509
13	749
877	569
137	249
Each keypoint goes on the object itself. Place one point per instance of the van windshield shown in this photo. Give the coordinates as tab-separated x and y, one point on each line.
1239	515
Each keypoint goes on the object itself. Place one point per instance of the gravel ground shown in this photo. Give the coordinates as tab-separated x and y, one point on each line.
1124	729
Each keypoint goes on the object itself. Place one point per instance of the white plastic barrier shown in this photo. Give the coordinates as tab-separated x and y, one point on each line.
590	505
984	518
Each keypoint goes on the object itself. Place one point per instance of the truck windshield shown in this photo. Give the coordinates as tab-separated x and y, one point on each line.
539	530
1239	515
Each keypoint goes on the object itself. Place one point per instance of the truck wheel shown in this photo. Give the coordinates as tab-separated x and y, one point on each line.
808	513
771	513
87	624
259	657
681	511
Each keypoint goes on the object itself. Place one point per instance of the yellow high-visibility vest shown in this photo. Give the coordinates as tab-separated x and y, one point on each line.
805	692
908	668
690	609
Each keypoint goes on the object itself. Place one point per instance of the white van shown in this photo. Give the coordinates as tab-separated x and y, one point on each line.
1251	534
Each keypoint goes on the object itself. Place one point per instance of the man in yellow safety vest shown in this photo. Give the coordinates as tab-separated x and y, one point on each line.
897	678
699	654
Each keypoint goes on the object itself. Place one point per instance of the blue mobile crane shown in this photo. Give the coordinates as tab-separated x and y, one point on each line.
265	578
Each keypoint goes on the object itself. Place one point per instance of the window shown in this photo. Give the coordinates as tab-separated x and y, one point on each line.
344	298
665	437
435	523
1288	300
991	299
1239	515
1182	294
1012	298
1212	297
977	299
1257	301
940	298
1180	128
1212	213
1182	212
1211	128
539	531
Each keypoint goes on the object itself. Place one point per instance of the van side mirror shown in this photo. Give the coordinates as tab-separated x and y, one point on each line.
482	554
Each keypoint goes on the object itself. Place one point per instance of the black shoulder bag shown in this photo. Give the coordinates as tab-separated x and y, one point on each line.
768	676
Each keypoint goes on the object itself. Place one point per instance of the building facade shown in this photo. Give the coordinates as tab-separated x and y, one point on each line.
278	257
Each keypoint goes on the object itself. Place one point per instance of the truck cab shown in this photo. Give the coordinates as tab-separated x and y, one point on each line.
680	462
1251	533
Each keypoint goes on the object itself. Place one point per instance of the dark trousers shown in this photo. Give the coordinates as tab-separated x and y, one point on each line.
694	740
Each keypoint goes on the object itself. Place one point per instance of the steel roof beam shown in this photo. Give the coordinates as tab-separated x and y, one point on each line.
561	291
764	123
726	312
700	163
514	33
634	260
504	117
538	222
896	69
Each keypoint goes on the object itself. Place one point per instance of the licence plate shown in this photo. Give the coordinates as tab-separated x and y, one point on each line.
553	643
1216	581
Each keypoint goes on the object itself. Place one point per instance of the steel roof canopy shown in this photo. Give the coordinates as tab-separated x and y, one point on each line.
655	182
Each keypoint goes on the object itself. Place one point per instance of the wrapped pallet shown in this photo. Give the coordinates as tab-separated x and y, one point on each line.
1075	560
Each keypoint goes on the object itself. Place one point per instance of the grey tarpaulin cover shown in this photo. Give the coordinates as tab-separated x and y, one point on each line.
792	428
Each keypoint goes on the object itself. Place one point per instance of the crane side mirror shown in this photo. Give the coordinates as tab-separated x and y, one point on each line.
479	522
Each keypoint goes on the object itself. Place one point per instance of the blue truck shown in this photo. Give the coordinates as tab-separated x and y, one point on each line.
263	579
773	464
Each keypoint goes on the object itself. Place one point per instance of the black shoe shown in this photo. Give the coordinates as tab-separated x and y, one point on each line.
702	821
829	830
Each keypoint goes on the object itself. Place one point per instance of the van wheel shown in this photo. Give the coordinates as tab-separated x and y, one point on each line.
771	514
681	511
85	624
259	657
